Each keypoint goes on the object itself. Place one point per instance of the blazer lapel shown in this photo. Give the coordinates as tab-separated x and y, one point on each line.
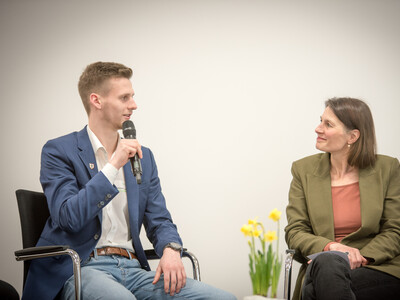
86	152
320	199
369	195
132	193
370	202
87	156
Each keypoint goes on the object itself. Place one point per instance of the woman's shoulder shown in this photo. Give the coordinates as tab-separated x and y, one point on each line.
385	161
316	163
385	158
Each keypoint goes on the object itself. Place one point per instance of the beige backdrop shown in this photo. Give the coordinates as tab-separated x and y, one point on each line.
229	94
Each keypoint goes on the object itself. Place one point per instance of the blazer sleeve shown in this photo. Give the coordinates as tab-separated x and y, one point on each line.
158	223
299	233
386	244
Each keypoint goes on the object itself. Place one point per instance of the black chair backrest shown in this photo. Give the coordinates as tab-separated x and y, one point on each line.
33	214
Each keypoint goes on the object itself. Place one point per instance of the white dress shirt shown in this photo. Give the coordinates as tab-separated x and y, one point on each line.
115	229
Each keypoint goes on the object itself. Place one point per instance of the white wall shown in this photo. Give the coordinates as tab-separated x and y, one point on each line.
229	94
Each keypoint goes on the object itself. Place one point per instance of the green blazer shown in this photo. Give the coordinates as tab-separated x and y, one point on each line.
310	213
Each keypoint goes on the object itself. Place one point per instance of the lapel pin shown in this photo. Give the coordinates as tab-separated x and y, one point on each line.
91	166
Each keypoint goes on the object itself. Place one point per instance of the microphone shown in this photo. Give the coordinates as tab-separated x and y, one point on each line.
129	131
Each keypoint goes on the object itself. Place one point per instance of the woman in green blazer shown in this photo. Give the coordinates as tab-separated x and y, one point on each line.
348	200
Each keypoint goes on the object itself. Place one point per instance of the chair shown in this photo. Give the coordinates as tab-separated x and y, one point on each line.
288	273
291	255
33	211
7	291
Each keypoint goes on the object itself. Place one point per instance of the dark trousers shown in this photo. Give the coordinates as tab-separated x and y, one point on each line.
329	277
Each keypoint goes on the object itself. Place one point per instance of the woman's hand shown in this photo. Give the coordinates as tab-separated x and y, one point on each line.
355	257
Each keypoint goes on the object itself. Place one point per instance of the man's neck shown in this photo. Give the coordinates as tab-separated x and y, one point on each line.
107	136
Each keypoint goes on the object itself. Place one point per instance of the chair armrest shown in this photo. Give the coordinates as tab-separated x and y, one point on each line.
300	258
151	254
48	251
40	250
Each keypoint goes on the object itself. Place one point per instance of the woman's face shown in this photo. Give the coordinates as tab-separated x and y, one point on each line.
332	134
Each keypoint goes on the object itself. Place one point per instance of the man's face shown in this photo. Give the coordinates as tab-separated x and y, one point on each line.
117	104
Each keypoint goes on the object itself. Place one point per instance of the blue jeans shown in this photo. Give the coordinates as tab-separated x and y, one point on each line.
116	277
329	277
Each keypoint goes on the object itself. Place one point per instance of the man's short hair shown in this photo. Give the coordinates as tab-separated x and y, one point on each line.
95	77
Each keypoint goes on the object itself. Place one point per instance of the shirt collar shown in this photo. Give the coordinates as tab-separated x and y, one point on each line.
96	144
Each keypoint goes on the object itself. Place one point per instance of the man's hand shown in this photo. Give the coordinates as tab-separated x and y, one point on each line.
174	272
126	149
355	257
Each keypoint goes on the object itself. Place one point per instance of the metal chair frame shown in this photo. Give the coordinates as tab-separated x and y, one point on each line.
29	252
288	273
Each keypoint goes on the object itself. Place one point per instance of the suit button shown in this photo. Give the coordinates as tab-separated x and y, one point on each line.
100	204
108	196
96	237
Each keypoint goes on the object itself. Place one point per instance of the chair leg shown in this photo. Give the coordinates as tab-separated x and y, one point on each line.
77	272
195	264
288	273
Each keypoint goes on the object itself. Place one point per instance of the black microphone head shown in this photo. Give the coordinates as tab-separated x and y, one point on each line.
128	130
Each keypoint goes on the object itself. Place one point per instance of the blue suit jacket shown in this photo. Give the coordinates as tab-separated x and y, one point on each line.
76	194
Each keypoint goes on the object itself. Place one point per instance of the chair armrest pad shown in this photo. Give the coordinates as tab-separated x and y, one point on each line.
151	254
41	250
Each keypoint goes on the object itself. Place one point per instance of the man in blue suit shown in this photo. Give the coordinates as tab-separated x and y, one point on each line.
97	207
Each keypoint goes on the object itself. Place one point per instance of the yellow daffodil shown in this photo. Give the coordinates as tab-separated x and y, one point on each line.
247	230
256	233
270	236
275	215
253	221
265	262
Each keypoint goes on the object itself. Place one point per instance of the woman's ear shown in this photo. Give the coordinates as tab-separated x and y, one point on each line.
353	136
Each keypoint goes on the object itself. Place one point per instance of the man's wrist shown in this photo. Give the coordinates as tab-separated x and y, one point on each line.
174	246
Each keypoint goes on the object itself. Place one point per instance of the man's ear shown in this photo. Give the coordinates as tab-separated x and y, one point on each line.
95	100
354	136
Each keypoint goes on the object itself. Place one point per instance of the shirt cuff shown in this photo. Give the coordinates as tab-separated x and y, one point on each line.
110	172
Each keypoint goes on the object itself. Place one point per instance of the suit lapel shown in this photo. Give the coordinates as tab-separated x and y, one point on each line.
368	195
87	156
132	193
320	199
370	202
86	153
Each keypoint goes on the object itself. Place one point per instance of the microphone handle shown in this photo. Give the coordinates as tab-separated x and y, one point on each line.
136	164
137	168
